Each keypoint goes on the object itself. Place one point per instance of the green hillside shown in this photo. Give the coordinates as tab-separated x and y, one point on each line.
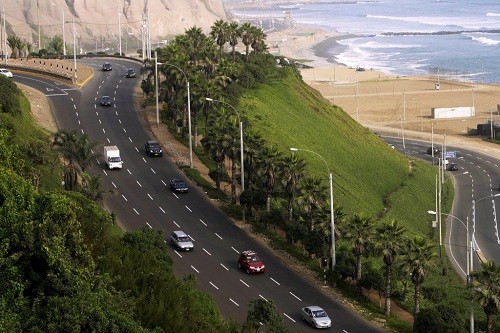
291	114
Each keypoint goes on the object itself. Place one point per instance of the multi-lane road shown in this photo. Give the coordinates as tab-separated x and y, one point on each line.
142	199
476	184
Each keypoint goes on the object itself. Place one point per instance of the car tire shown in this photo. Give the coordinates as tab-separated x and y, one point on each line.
248	271
239	266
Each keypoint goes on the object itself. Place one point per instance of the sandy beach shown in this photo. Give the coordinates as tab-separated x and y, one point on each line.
387	103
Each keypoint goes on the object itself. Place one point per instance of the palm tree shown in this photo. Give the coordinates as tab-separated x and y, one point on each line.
359	233
247	37
84	152
20	47
292	172
419	254
219	33
251	149
259	37
234	33
486	289
389	243
312	197
13	42
268	168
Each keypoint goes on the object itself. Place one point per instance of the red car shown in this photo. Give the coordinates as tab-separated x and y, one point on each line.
251	262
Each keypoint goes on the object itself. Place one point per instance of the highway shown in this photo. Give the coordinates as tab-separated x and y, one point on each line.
476	183
142	199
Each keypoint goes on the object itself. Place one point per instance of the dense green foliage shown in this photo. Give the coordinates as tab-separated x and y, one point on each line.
288	191
64	264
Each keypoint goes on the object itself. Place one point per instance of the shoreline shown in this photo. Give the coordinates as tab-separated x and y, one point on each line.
381	101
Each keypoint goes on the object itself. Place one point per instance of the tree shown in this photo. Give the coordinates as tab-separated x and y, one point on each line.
247	37
418	255
359	233
263	313
13	42
234	33
292	172
56	45
389	243
486	290
267	169
311	198
219	32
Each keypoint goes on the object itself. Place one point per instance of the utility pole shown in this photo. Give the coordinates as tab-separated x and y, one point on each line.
38	18
119	28
4	40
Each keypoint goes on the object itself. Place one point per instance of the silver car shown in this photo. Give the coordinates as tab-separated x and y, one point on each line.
6	72
316	316
181	241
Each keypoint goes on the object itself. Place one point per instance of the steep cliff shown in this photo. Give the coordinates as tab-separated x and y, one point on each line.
98	22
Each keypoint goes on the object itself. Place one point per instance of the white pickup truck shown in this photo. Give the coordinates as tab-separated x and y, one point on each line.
112	157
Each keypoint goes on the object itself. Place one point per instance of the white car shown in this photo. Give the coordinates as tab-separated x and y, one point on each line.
181	241
6	72
316	316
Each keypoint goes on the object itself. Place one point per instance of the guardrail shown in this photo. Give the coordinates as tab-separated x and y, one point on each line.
61	68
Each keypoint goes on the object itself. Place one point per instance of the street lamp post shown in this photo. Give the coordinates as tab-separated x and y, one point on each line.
156	90
38	19
482	70
242	168
469	246
75	76
188	108
332	211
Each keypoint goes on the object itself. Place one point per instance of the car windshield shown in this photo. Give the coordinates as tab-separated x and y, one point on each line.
184	239
114	159
253	259
154	144
319	314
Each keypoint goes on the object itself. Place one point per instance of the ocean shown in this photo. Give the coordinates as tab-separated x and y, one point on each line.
456	39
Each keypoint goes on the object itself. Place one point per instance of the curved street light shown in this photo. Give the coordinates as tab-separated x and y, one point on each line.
332	211
470	246
188	103
242	168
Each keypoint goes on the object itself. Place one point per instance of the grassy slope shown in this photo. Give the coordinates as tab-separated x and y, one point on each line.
27	132
365	169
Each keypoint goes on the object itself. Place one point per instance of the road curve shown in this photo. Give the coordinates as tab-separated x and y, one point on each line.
142	199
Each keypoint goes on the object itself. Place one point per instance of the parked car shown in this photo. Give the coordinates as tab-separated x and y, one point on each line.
153	148
453	167
251	262
6	72
178	186
316	317
106	101
130	73
107	67
437	151
181	241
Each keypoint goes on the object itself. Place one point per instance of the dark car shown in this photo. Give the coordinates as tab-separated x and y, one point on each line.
107	67
106	101
452	167
251	262
130	73
178	186
437	151
153	148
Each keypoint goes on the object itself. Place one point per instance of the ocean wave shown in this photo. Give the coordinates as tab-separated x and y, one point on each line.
458	23
377	45
484	40
492	14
